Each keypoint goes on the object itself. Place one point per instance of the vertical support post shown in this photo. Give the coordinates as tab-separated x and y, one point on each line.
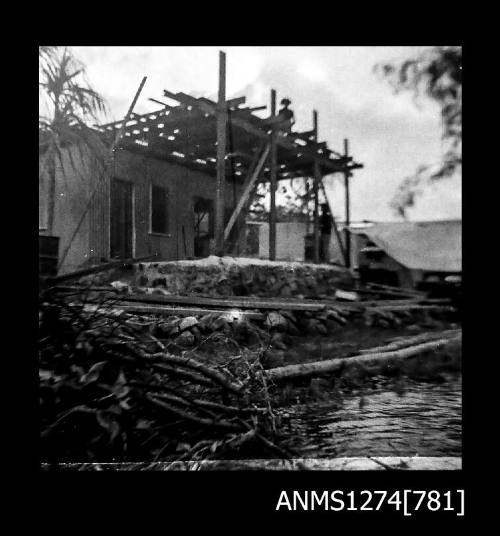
221	157
273	164
347	208
317	179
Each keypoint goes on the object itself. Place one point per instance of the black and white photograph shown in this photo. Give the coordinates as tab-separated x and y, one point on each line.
250	258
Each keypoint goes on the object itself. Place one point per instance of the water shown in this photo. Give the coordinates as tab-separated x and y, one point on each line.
420	419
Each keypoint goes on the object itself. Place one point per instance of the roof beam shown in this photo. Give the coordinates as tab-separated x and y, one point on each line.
281	140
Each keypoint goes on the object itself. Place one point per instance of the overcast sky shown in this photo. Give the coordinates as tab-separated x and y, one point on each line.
388	133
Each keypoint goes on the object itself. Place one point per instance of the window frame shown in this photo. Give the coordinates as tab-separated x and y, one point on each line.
166	232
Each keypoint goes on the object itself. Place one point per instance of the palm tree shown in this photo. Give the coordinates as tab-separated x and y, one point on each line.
67	105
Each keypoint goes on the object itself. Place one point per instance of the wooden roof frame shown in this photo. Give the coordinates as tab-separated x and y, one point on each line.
185	134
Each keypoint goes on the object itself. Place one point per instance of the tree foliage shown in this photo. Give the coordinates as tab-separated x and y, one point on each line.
294	202
435	74
68	106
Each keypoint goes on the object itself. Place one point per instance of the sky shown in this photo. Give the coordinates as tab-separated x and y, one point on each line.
392	135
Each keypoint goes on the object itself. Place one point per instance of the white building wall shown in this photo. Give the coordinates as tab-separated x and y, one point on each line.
290	245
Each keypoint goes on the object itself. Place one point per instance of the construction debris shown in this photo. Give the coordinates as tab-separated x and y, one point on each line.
132	397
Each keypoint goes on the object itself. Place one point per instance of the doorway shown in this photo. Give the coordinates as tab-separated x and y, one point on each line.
203	226
121	219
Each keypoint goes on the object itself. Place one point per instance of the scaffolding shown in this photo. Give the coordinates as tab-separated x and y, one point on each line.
227	140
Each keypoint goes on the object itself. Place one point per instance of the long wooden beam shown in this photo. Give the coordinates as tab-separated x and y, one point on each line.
347	208
247	189
273	164
234	103
221	157
316	179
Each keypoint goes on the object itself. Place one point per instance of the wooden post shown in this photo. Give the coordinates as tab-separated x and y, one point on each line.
221	157
347	208
335	228
317	179
273	165
248	186
120	132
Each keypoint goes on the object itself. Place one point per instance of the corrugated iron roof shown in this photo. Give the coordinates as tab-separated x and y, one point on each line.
432	245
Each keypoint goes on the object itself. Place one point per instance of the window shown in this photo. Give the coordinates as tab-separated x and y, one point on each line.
159	215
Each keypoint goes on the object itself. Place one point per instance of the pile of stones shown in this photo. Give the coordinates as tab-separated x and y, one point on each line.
270	280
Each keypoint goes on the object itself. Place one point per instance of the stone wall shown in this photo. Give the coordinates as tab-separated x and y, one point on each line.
226	276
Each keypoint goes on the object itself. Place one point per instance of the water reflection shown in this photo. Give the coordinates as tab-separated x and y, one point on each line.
423	419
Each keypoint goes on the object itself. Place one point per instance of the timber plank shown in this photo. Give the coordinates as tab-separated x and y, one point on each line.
247	303
183	311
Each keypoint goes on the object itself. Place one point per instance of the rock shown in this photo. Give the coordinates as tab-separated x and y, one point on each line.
167	328
314	326
224	289
206	321
310	281
220	323
334	315
277	341
160	291
120	286
288	314
277	321
186	338
188	322
196	332
286	291
321	328
239	289
293	285
346	295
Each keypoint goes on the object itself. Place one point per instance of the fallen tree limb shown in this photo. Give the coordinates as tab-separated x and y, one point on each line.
185	374
331	365
193	418
411	307
215	375
405	342
207	405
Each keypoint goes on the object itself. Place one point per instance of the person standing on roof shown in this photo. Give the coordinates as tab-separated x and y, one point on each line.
325	226
285	114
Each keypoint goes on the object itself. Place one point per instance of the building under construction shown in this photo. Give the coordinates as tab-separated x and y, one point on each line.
179	181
